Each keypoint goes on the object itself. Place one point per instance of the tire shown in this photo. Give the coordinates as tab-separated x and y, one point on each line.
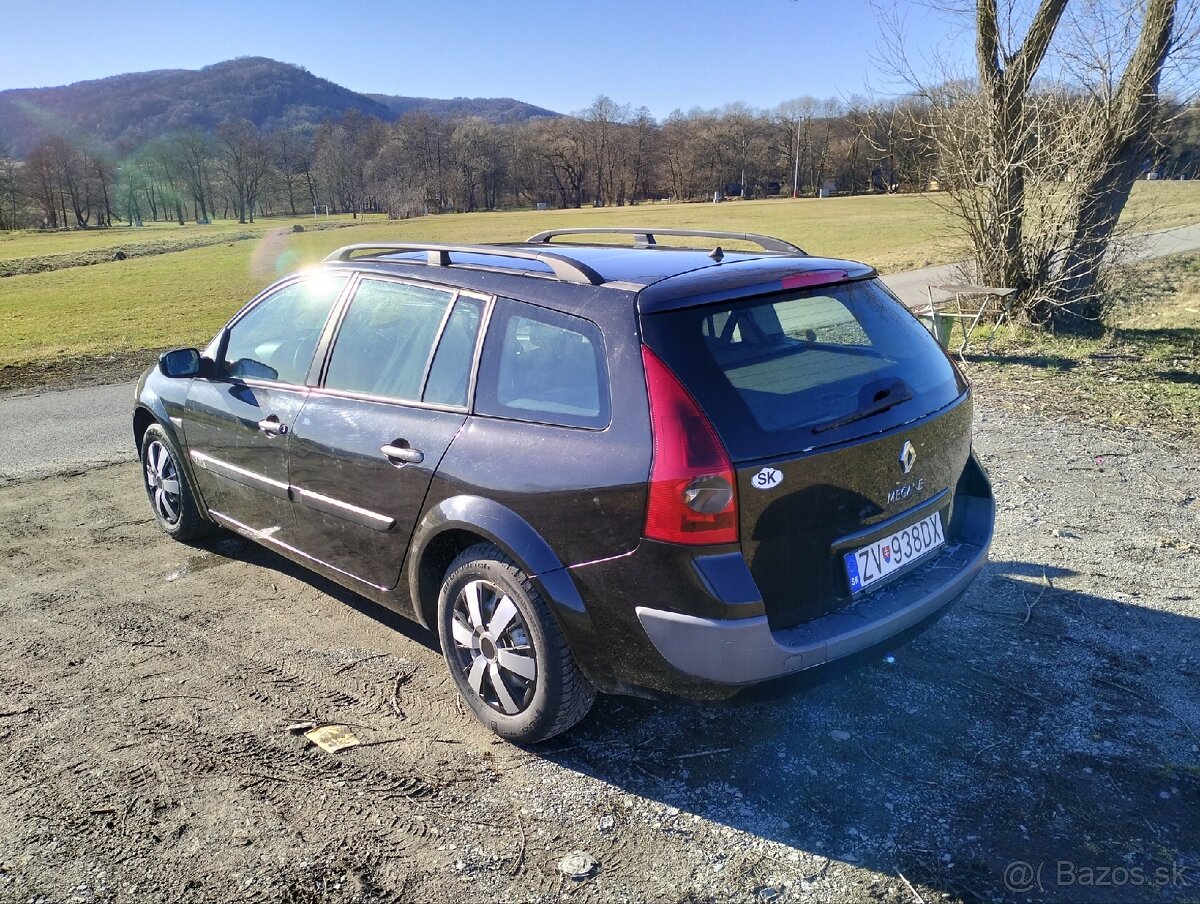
168	490
518	677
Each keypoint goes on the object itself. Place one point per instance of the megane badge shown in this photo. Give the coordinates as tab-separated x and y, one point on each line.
908	457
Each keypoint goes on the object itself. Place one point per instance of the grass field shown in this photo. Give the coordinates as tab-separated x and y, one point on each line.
1144	373
183	297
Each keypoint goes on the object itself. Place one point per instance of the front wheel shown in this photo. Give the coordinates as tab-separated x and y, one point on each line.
505	651
167	487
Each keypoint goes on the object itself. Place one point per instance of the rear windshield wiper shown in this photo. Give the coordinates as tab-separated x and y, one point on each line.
878	399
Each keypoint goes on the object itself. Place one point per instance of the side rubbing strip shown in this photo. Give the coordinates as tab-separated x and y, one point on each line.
267	536
345	510
240	475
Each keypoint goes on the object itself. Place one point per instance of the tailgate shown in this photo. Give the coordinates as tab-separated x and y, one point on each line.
801	513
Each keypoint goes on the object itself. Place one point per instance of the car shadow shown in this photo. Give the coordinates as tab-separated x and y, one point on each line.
231	546
1030	725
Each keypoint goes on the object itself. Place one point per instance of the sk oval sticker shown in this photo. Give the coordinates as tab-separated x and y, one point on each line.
767	478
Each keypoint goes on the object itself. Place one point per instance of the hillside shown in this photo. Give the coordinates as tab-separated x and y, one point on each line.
493	109
126	110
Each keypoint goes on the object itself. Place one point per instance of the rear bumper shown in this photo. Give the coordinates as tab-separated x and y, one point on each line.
746	650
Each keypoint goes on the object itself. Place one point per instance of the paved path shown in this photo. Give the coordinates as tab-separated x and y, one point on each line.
910	286
55	432
78	429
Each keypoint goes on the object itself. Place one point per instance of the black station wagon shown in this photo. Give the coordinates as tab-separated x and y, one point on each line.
589	466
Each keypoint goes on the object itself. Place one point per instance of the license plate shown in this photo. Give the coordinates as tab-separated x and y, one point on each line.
872	563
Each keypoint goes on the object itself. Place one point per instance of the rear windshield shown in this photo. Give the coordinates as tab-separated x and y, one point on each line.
795	370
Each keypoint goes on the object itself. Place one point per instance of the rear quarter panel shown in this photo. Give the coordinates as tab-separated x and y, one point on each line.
583	491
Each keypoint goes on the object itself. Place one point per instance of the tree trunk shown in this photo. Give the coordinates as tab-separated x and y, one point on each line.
1119	152
1005	89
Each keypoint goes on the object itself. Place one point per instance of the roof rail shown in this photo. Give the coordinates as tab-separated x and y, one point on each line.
645	236
563	267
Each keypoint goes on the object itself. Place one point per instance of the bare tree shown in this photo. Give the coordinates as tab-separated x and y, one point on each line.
342	151
900	153
73	181
1039	150
696	158
193	153
101	173
564	151
292	159
743	131
475	162
603	123
41	184
641	157
243	160
790	137
10	192
1123	122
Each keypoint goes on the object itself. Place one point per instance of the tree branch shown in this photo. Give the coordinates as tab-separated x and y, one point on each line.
1037	41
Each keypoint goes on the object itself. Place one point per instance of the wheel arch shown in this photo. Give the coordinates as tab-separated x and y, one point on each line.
462	521
143	417
459	522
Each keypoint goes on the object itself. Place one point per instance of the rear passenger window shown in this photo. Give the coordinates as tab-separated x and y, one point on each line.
543	366
385	341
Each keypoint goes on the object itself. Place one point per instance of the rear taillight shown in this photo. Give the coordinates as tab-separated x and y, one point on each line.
693	491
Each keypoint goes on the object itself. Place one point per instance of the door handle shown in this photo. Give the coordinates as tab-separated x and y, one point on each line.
271	426
402	455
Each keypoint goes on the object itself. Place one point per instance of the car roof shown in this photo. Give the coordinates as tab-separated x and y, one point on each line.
657	277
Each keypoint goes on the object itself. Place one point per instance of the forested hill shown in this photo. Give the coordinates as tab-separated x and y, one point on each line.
493	109
127	110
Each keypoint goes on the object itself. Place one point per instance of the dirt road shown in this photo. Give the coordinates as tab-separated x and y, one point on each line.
1052	718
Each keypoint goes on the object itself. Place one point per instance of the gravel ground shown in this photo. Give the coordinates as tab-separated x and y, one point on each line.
1038	742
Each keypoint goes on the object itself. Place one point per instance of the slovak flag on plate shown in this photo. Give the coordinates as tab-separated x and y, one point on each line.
887	553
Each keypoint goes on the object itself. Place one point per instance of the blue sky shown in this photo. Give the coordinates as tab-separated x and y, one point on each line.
658	53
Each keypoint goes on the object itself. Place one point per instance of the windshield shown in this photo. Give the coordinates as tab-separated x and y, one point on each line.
794	370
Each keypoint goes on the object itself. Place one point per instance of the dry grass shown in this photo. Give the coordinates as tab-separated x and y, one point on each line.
183	297
1143	373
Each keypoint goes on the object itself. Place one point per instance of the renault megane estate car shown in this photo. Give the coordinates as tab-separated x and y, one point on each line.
590	463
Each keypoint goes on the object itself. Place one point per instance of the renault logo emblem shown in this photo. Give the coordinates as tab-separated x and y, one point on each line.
908	457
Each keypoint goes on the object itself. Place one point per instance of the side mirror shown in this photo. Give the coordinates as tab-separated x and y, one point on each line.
248	368
180	362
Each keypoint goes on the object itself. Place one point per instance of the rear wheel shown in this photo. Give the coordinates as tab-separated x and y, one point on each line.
505	651
168	489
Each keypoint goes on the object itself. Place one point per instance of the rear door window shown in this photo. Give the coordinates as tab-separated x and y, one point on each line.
385	342
543	366
794	370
